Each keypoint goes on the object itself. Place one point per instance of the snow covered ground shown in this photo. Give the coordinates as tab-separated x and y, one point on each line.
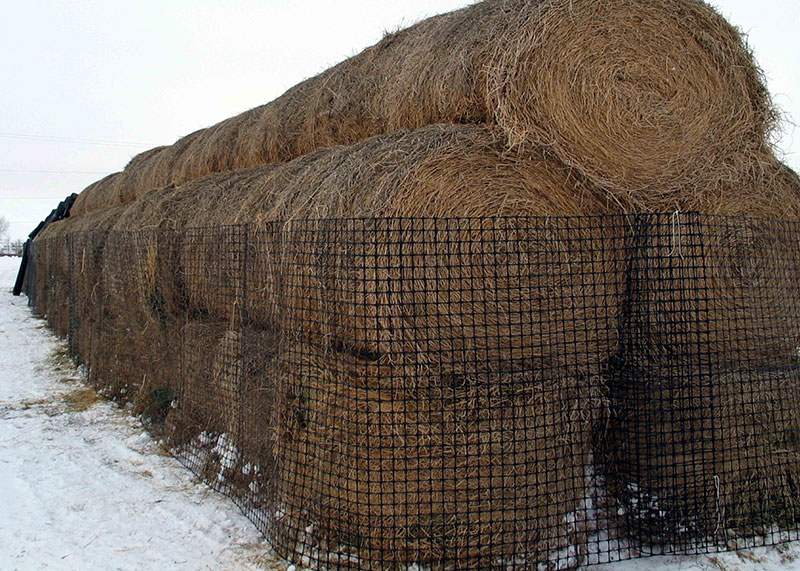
84	487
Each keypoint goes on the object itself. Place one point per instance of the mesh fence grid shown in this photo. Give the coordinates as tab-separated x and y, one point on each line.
531	393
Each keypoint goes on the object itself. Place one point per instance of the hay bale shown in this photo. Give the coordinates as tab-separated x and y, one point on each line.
221	420
51	287
753	308
99	195
759	186
454	284
723	289
712	456
704	391
139	327
211	367
51	267
638	96
201	266
72	267
376	473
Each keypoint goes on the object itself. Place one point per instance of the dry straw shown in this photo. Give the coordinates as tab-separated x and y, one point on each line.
82	263
504	108
440	171
639	96
111	308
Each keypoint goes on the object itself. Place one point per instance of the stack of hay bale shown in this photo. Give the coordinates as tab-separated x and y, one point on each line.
429	392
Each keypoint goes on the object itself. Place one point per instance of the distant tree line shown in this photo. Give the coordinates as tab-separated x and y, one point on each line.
11	247
7	246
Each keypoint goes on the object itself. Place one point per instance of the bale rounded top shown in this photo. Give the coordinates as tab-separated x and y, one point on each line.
100	220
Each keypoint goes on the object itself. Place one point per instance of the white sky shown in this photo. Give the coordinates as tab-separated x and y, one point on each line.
149	72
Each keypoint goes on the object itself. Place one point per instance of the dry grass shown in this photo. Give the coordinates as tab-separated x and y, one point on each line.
437	356
439	171
334	463
75	256
374	363
299	271
81	399
59	359
644	98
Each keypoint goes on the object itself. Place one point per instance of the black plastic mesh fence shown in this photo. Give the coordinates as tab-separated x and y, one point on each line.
459	393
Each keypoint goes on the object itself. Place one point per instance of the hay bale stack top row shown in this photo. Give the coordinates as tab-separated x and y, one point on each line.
652	101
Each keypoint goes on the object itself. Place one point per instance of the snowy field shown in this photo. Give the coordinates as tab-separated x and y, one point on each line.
84	487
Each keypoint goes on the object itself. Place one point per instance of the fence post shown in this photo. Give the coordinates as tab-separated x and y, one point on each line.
70	300
244	236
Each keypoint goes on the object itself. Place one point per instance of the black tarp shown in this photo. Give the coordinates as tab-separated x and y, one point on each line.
58	213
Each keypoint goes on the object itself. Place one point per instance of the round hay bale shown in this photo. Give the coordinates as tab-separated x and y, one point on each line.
487	473
226	382
200	266
115	189
221	419
206	396
121	364
758	186
727	294
156	169
704	393
154	275
99	195
638	96
43	264
51	287
447	287
706	455
753	305
139	325
517	299
52	268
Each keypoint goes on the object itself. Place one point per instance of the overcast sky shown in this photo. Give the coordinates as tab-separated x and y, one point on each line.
87	84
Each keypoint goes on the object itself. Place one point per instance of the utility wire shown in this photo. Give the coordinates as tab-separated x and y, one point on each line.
31	197
106	142
55	171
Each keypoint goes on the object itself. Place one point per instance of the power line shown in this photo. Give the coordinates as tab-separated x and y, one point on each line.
31	197
55	171
106	142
